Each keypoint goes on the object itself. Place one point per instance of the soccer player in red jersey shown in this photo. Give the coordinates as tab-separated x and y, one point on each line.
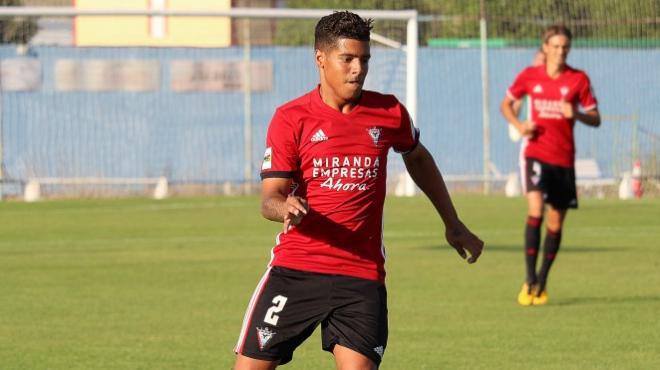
323	177
555	90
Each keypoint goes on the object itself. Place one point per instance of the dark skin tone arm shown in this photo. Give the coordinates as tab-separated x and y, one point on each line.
277	205
427	176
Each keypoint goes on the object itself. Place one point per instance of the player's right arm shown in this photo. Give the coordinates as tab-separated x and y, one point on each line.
280	162
514	94
510	113
277	204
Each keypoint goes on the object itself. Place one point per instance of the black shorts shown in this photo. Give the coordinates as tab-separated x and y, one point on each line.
556	183
288	305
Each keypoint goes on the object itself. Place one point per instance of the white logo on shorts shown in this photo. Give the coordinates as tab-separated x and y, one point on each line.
536	173
380	350
264	335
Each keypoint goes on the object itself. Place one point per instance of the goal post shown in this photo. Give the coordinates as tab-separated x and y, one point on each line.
156	68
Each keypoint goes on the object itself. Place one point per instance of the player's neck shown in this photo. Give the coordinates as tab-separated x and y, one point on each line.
554	70
331	99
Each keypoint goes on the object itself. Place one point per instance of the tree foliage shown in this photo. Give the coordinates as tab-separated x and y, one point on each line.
16	30
509	19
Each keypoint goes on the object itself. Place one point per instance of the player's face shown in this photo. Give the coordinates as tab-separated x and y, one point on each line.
556	49
344	68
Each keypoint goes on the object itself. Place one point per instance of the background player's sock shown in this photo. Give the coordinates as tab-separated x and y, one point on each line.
532	243
550	249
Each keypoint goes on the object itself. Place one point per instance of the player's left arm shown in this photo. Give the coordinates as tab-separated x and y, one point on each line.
590	117
423	170
586	98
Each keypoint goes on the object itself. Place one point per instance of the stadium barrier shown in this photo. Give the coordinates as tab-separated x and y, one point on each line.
32	191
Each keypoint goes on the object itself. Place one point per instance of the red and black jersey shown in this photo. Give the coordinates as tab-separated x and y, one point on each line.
338	163
554	142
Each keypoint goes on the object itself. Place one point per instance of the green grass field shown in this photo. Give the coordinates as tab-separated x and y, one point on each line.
142	284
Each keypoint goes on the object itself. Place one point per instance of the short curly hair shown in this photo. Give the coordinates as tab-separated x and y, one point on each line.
341	25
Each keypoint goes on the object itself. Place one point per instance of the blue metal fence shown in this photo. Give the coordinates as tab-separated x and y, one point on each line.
197	137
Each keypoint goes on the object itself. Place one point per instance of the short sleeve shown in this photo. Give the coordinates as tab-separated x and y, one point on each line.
518	88
586	95
407	135
281	154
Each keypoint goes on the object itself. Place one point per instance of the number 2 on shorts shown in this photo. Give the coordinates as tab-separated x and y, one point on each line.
271	317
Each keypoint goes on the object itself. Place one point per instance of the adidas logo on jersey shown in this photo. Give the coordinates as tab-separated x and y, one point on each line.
319	136
537	89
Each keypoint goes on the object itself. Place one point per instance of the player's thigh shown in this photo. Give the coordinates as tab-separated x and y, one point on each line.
556	217
283	312
359	318
561	190
348	359
535	203
247	363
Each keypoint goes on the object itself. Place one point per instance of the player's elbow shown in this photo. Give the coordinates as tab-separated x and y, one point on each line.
506	107
267	209
594	118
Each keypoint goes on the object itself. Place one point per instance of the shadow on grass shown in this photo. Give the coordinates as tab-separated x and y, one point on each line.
490	248
606	300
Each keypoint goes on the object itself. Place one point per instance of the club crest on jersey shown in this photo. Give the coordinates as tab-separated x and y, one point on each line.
374	132
263	336
563	91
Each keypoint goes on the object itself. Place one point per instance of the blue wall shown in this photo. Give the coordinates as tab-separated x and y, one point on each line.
198	137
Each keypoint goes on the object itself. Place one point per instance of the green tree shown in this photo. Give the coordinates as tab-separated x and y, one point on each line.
16	30
510	19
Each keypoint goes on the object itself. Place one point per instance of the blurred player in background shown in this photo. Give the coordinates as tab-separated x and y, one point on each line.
522	110
518	105
554	90
323	177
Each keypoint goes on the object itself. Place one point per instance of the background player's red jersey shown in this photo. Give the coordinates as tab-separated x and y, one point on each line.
338	163
553	142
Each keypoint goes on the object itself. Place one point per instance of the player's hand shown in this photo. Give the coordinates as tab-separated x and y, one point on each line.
296	209
528	129
567	109
465	242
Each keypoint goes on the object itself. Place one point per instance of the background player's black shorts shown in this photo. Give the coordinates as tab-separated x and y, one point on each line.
556	183
289	304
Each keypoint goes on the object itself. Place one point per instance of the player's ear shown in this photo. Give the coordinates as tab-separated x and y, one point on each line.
319	57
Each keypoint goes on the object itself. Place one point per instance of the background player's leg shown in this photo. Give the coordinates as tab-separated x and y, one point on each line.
347	359
533	233
532	243
554	223
247	363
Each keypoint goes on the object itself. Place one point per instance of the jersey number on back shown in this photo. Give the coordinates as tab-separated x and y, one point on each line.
271	317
